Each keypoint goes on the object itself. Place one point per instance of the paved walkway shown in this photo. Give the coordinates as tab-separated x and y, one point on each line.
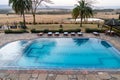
50	76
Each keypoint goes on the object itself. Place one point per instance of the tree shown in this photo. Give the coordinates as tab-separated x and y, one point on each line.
119	17
20	7
35	5
82	10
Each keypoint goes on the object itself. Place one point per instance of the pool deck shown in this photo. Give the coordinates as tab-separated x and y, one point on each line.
6	38
58	75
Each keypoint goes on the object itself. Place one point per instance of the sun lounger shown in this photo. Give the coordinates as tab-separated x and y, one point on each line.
80	34
65	33
96	33
49	33
72	33
40	34
57	33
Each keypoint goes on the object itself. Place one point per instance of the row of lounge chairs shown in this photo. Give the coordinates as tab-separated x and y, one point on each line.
65	34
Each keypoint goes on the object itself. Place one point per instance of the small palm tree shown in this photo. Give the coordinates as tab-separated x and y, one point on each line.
82	10
20	7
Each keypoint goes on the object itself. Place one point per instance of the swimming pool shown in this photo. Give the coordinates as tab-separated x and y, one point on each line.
59	53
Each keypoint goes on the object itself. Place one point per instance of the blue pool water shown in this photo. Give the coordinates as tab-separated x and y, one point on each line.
60	53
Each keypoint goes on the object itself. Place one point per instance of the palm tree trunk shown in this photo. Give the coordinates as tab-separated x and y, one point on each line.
34	20
24	21
81	22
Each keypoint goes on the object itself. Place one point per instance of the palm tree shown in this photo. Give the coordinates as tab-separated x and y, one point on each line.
82	10
20	7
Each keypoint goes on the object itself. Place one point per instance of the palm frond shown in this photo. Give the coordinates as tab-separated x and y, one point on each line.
75	12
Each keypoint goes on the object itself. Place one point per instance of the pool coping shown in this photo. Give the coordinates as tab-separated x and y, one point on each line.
59	71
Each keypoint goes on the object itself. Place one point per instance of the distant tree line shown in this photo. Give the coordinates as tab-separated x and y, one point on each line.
4	11
103	10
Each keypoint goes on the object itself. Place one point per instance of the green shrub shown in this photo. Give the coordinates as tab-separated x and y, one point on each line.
88	30
53	31
36	31
71	30
46	31
15	32
60	30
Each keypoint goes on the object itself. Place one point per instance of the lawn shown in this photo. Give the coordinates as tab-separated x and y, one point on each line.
65	26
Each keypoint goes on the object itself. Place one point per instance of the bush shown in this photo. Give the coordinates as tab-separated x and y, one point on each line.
46	31
36	31
88	30
60	30
17	32
23	27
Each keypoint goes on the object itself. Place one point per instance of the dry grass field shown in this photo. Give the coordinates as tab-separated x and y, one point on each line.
39	18
106	15
47	18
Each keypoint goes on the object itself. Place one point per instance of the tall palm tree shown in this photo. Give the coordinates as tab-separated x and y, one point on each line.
82	10
20	7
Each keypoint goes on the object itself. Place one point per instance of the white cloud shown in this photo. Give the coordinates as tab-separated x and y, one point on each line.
3	2
108	2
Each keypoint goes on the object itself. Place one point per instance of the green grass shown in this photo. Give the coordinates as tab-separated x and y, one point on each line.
65	26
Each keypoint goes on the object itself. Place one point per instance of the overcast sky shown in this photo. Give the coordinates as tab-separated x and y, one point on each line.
72	2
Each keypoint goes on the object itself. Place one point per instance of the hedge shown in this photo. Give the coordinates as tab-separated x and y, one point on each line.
89	30
17	32
60	30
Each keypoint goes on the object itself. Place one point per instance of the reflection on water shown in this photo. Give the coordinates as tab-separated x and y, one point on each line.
39	47
80	42
105	44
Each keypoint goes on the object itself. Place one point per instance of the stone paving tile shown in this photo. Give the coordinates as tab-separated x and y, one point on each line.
116	76
81	77
13	76
92	77
34	75
61	77
72	77
32	79
51	77
2	75
42	76
24	76
9	79
104	75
